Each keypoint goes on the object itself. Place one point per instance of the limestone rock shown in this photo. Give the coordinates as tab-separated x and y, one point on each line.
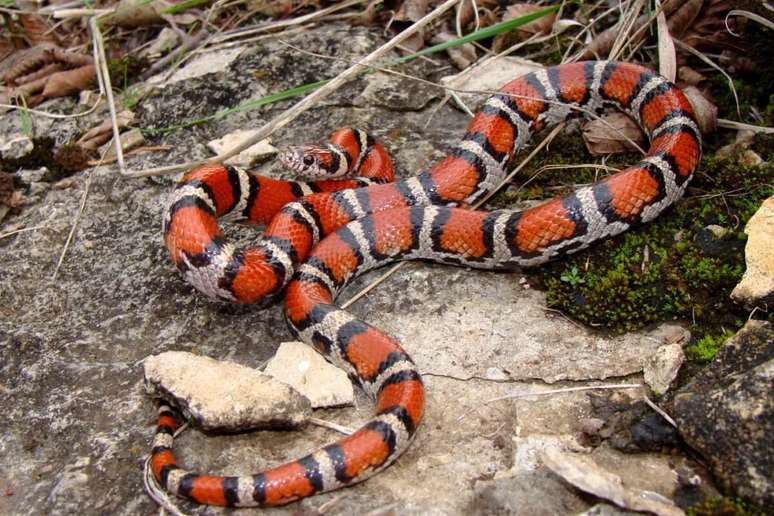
304	369
395	93
516	495
249	157
584	473
488	75
757	285
662	368
16	147
224	396
727	413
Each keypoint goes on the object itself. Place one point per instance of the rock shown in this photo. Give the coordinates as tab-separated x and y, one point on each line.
757	285
516	495
584	473
16	147
662	368
304	369
395	93
204	64
488	75
248	158
630	425
223	396
727	414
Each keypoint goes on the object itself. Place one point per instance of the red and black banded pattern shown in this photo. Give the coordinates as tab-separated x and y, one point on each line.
411	219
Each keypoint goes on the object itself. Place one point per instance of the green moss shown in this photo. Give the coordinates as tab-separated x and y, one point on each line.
673	267
705	348
724	507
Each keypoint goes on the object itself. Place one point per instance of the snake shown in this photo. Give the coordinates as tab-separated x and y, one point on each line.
317	239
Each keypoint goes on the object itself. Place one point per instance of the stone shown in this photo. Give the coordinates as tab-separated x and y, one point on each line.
396	93
516	495
584	473
304	369
203	64
662	368
251	156
487	76
16	147
757	285
223	396
727	413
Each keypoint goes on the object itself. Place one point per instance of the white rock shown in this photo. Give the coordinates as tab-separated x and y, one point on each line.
220	395
757	285
16	147
307	371
249	157
662	368
204	64
488	75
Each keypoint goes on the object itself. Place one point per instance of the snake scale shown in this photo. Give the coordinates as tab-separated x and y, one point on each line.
318	239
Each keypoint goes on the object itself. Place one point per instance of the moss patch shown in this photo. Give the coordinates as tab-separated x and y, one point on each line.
724	507
681	266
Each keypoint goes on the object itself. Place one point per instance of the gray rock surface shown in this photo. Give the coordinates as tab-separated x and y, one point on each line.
218	395
304	369
727	413
662	368
77	424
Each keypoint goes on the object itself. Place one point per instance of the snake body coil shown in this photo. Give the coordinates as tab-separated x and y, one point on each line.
366	227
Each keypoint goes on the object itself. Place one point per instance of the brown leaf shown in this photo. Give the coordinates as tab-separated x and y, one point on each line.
463	55
98	135
37	29
68	82
542	25
411	11
8	197
137	13
608	134
689	76
706	111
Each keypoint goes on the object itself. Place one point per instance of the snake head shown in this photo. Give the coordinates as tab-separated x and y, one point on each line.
311	162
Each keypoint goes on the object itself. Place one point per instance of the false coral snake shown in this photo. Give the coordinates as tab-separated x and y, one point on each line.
362	228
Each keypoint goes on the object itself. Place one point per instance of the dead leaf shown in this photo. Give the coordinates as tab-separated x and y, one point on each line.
706	112
98	135
608	134
37	29
68	82
137	13
462	56
542	25
689	76
667	56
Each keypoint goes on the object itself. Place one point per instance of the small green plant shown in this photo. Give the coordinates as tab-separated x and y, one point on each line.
571	276
705	349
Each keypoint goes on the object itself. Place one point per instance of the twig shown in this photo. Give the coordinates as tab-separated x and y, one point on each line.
189	43
309	101
22	230
55	116
102	71
731	124
373	285
660	411
707	60
332	426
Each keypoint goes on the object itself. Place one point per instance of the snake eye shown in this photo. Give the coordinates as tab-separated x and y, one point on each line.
308	160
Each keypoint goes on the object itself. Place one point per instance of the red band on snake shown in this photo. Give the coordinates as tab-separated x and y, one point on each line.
367	227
